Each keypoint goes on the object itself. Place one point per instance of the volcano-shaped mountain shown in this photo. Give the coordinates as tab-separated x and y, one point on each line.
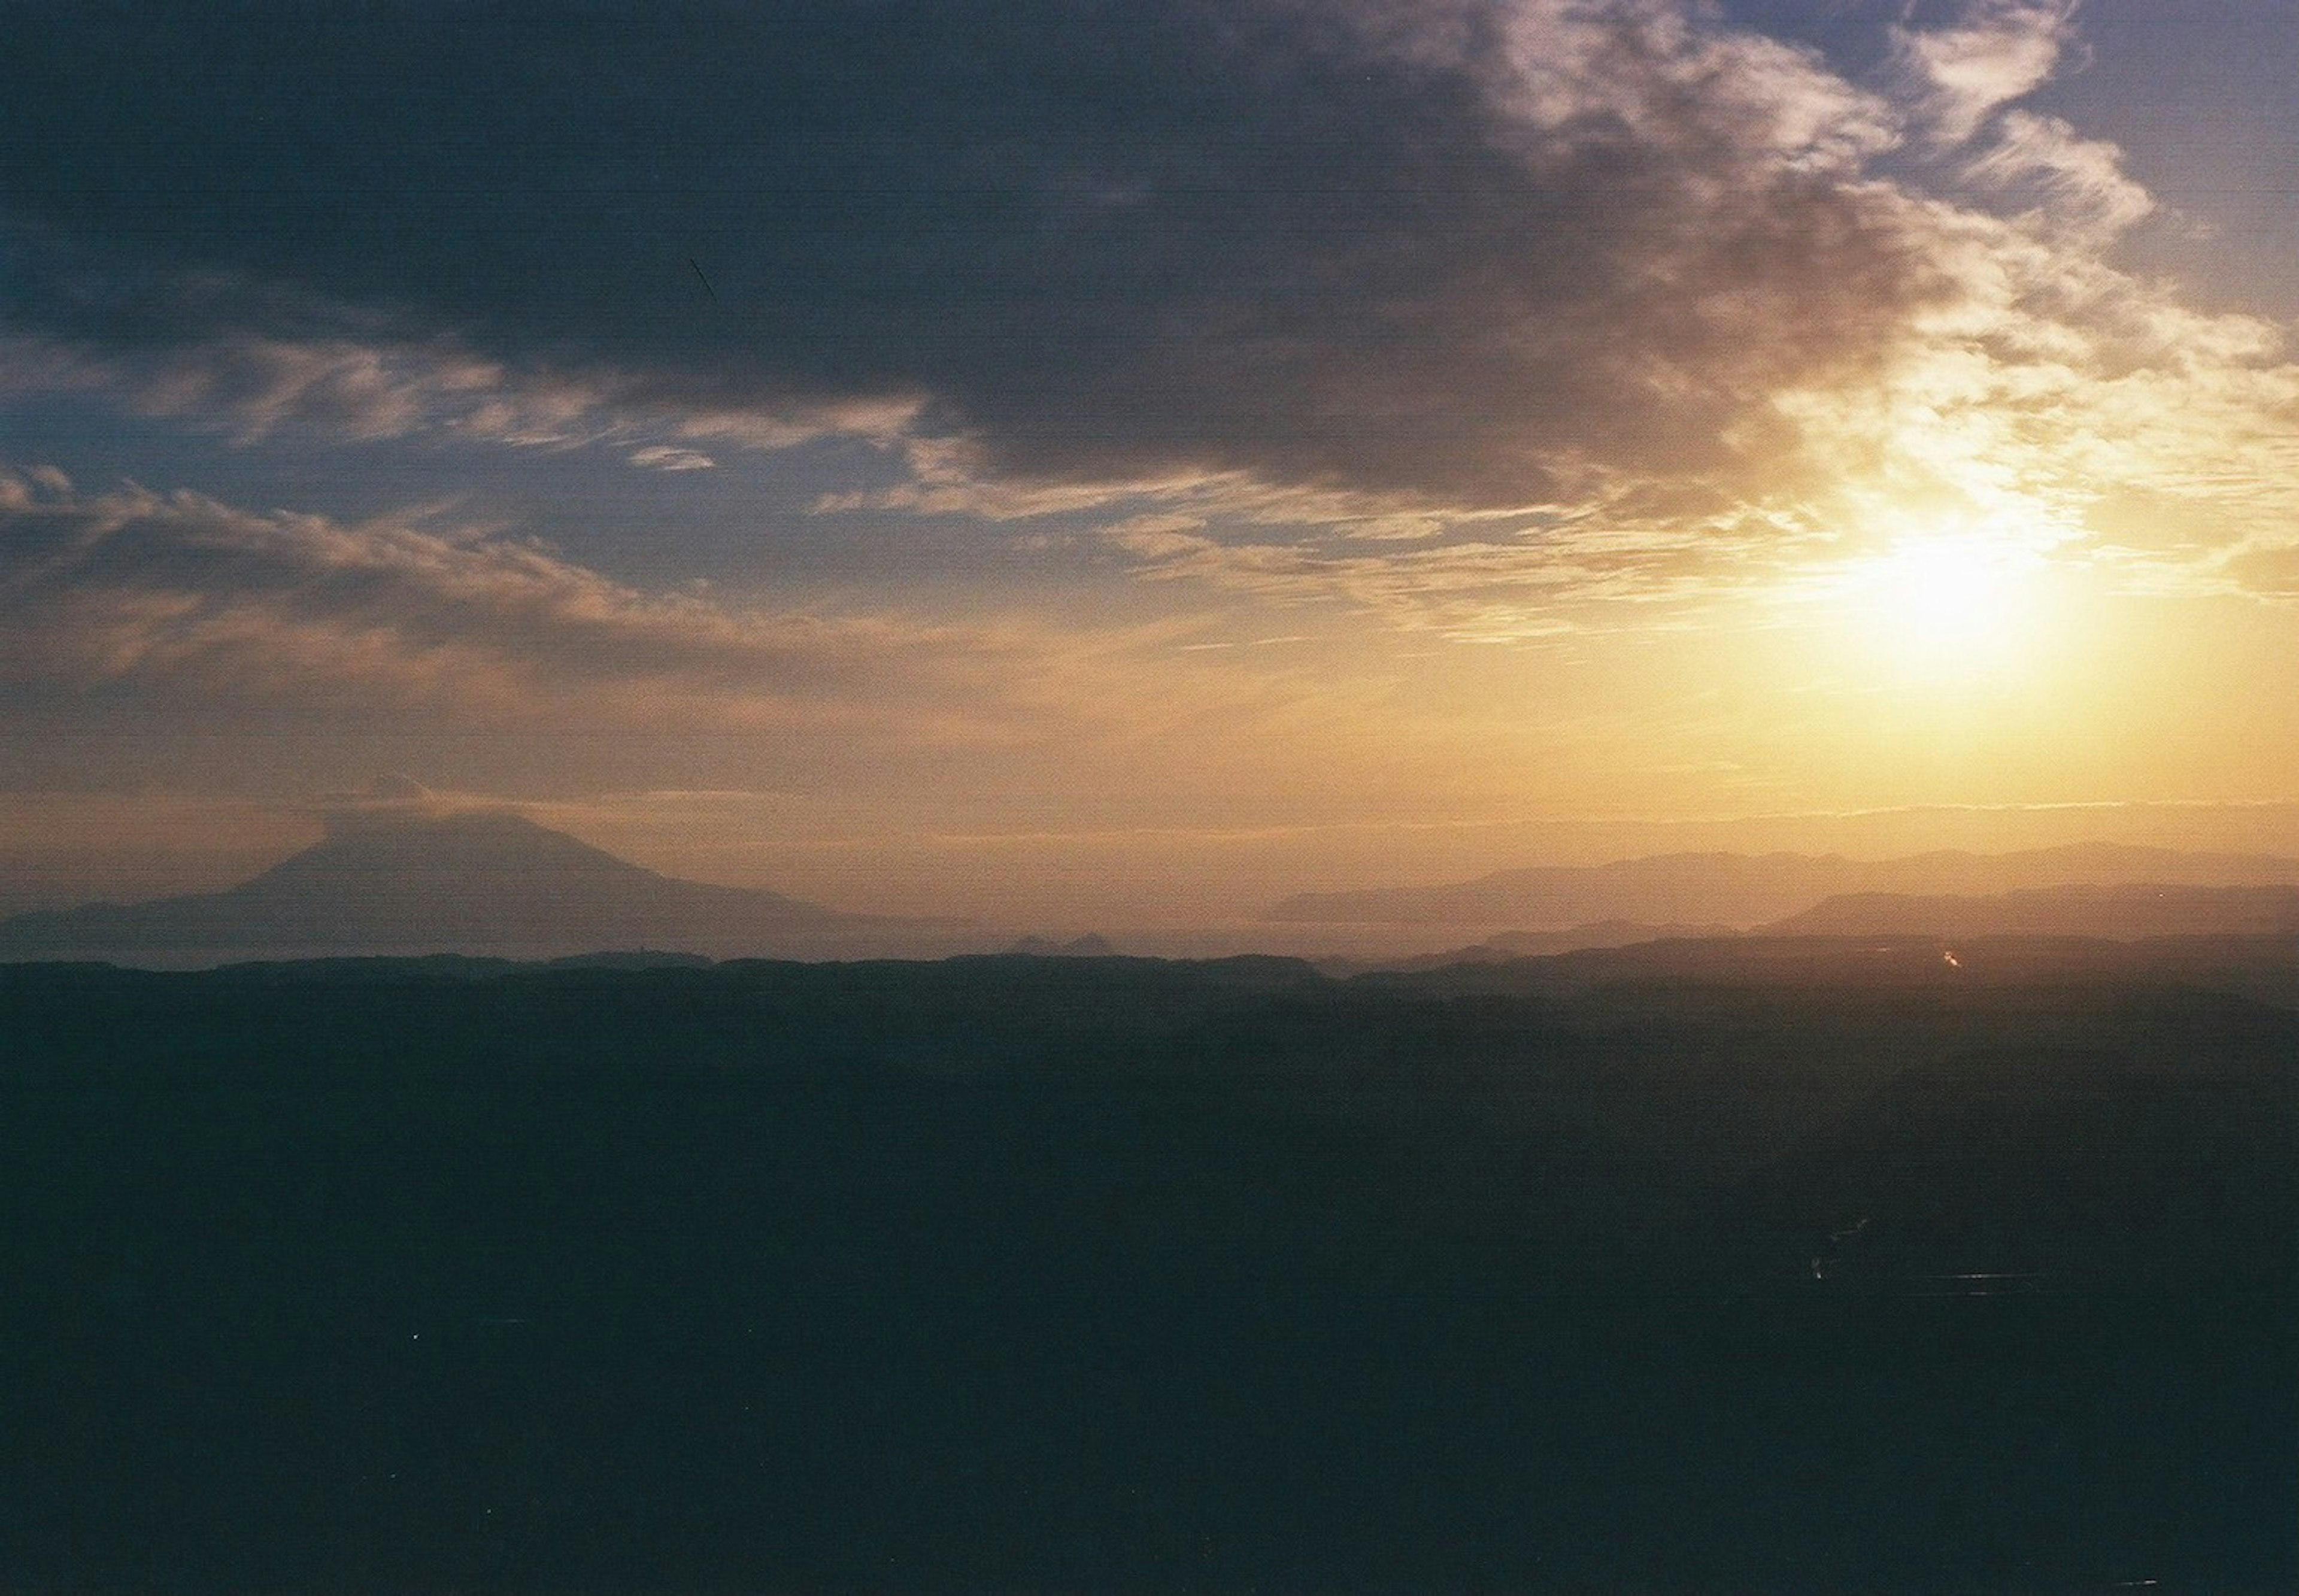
470	882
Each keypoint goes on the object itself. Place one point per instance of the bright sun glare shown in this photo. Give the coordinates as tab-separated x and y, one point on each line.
1950	590
1943	601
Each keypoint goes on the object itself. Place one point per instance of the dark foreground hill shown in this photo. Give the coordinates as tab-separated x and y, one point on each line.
464	882
1723	1267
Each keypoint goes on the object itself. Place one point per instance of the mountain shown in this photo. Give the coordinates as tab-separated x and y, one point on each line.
460	882
2123	913
1502	947
1748	890
1092	945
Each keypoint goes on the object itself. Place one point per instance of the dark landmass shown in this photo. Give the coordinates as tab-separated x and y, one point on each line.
2126	912
1728	1264
465	882
631	959
1509	945
1745	890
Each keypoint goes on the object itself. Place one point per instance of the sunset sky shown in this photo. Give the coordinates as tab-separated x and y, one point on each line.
1072	460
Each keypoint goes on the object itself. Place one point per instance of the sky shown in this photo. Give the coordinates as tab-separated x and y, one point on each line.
1081	461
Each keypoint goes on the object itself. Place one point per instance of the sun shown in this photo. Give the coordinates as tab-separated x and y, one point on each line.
1956	602
1948	591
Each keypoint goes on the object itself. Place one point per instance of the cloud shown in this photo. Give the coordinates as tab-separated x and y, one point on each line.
179	600
1616	569
1465	253
1537	299
392	791
396	788
2079	184
144	631
2271	568
1994	52
661	457
387	384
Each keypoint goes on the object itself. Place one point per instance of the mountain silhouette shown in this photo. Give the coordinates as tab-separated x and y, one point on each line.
482	880
2121	912
1508	946
1746	890
1092	945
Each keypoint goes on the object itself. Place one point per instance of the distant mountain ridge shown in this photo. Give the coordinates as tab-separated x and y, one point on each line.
2120	912
475	880
1506	947
1092	945
1749	890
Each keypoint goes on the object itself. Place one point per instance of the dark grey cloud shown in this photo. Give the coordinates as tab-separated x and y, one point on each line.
1456	250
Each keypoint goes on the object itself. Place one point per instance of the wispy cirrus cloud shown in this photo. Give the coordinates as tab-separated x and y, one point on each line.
393	384
1622	568
176	599
2077	188
1990	53
663	457
134	620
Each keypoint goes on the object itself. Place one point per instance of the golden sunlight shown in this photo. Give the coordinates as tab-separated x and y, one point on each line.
1956	602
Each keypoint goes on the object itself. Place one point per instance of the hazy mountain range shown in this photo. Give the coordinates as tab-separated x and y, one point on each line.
2121	912
1750	891
497	882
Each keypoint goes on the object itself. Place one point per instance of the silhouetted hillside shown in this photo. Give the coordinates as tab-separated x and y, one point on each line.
469	881
1795	1266
1861	970
1747	890
1510	945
